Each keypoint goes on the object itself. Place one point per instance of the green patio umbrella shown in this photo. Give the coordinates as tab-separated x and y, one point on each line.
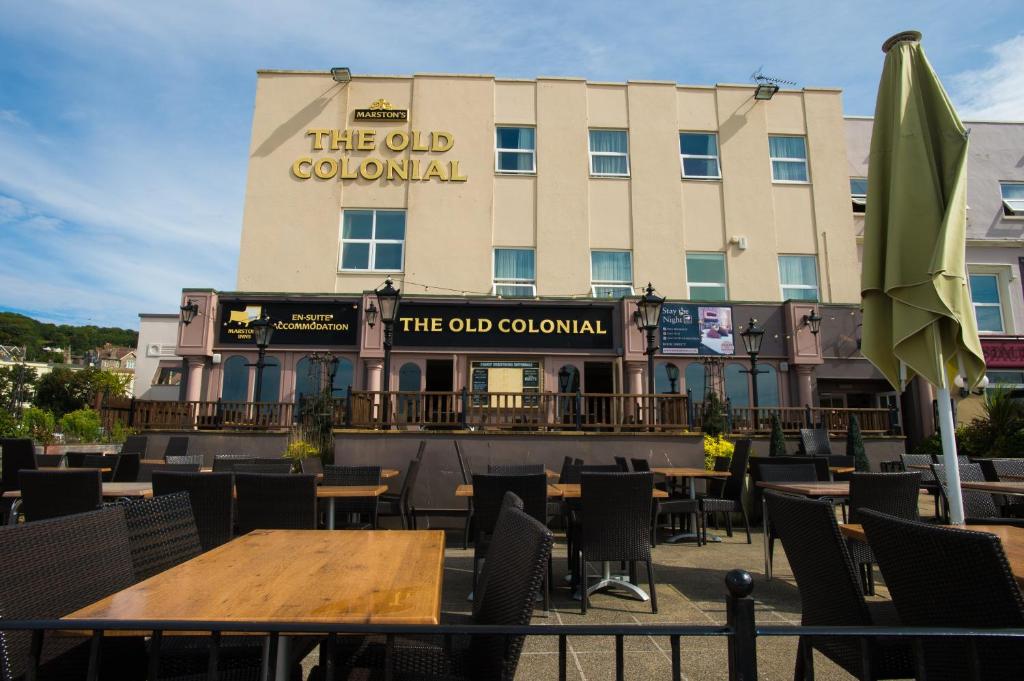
918	319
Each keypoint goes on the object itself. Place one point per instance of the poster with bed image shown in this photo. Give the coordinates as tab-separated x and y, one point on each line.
688	329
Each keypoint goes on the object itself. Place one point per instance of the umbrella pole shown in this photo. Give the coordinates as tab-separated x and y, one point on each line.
954	495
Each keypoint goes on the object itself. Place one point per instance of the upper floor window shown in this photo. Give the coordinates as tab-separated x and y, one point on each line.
611	274
515	150
1013	197
609	153
789	158
798	275
705	276
859	193
698	154
514	272
987	301
372	240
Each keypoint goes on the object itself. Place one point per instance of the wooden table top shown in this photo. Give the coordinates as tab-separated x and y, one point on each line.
349	491
361	576
565	491
687	472
1011	537
810	489
1005	487
84	468
842	469
384	472
110	489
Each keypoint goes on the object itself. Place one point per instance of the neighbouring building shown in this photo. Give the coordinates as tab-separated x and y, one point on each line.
157	369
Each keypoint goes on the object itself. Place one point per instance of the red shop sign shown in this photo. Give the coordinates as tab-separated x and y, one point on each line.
1003	353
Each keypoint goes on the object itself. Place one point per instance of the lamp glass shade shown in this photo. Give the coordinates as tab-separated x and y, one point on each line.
371	314
262	331
814	321
752	337
387	299
649	309
189	311
673	372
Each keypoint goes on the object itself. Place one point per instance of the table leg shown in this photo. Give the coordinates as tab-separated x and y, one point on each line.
691	489
608	580
330	513
764	535
282	663
15	507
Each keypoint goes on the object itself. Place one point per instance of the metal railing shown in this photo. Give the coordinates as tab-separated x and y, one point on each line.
740	630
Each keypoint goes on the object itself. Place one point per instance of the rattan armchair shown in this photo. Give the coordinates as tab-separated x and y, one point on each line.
51	494
176	446
979	507
211	499
400	504
729	500
891	493
361	510
268	501
515	468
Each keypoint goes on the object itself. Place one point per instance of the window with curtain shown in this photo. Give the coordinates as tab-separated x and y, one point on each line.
611	274
342	378
799	277
767	386
737	385
372	240
859	193
698	154
609	153
1013	197
235	386
514	272
271	384
985	298
789	158
694	377
705	276
515	150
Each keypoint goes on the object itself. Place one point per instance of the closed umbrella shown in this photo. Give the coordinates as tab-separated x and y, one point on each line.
918	319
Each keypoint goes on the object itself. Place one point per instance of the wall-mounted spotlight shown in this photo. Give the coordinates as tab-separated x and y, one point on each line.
766	85
341	74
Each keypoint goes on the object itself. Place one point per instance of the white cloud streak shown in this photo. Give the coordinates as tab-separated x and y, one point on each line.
995	92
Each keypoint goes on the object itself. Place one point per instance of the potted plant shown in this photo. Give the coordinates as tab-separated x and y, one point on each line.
299	450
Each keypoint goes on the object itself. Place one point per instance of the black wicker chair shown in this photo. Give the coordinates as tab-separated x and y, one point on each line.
997	470
787	472
135	444
759	463
51	494
467	477
126	468
100	461
615	524
161	533
830	592
815	442
979	507
194	460
16	454
75	459
52	568
176	446
268	501
509	582
49	460
211	497
621	462
948	577
928	481
730	499
400	504
891	493
225	463
362	510
515	468
312	465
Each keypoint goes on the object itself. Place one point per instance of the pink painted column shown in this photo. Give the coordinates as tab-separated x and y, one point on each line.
805	384
194	392
635	371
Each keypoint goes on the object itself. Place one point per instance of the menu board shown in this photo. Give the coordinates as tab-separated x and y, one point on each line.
688	329
479	381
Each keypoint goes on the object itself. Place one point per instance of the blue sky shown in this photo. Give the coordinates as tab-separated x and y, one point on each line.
124	126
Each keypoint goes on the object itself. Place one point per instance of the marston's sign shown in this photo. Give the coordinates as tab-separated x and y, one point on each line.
381	110
497	326
1003	353
295	323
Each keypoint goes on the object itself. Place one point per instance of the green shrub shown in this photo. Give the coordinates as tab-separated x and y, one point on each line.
9	426
714	447
81	425
38	424
777	444
713	422
855	446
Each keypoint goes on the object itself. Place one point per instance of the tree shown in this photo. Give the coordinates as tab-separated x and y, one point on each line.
777	444
63	390
17	384
17	329
855	446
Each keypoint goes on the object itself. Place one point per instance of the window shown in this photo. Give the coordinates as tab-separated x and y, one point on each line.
609	153
270	386
514	273
168	376
372	240
235	387
985	299
799	277
698	154
342	377
705	276
1013	197
767	386
737	385
308	375
129	364
789	158
515	150
859	193
611	274
694	377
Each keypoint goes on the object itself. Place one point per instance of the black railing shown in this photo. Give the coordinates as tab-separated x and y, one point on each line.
740	629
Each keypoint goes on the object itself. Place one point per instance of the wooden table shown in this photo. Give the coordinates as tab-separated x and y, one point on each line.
385	473
309	576
110	490
1010	487
689	474
1011	537
65	468
842	470
332	492
557	490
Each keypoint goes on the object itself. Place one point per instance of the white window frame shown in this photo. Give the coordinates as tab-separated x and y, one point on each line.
593	153
859	199
707	284
372	241
1002	274
610	284
1011	207
683	157
805	287
531	284
499	150
772	159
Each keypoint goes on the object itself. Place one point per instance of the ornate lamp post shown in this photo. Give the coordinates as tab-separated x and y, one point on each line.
813	320
189	311
647	318
262	331
673	377
752	337
388	298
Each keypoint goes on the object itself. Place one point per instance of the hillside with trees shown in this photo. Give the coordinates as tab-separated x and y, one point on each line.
17	329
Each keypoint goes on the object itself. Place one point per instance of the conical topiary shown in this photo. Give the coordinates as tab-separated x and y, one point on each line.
855	446
777	444
713	422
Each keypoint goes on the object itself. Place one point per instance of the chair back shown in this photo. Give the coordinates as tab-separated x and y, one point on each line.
842	460
566	464
577	462
640	465
409	482
890	493
176	446
464	469
950	577
347	476
195	460
814	442
51	494
16	454
312	465
126	468
511	579
572	474
75	459
977	504
621	462
909	460
283	468
225	463
820	463
616	512
789	472
421	450
737	481
161	533
1004	467
489	491
99	461
515	468
270	501
52	568
716	486
210	496
135	444
49	460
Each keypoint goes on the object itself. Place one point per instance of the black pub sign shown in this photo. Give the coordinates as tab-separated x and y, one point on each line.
295	322
499	326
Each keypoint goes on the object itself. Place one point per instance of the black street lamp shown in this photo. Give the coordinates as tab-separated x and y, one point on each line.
752	337
388	298
647	317
262	331
813	320
189	311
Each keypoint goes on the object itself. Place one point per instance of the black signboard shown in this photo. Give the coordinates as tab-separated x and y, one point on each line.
499	326
697	330
295	323
479	380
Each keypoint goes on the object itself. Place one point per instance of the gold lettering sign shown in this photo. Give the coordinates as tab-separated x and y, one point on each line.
381	110
510	325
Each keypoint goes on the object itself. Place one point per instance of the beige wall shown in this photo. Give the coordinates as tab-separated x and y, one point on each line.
290	238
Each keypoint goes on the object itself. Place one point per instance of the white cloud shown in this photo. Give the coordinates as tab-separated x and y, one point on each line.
10	209
995	92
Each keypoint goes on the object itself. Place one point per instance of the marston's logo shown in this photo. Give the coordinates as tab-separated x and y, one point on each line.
381	110
245	317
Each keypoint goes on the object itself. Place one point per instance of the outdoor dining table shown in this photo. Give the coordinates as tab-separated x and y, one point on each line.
385	473
292	576
332	492
559	490
689	474
1011	487
106	469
